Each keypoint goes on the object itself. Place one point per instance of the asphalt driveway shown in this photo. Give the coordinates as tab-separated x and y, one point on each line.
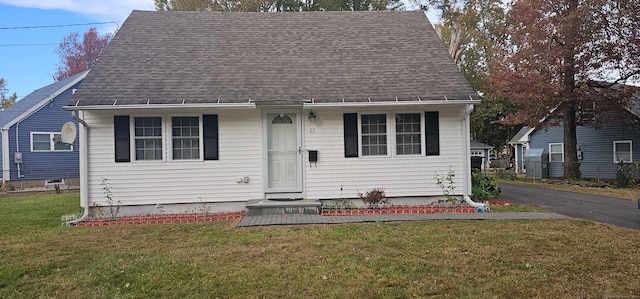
603	209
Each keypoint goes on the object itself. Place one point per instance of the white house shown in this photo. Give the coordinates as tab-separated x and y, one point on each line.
208	110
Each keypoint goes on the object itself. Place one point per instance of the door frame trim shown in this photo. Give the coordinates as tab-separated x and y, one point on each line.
265	150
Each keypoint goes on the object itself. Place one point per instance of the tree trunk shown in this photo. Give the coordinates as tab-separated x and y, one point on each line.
571	167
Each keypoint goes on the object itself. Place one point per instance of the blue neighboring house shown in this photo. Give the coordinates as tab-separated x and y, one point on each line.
27	150
599	150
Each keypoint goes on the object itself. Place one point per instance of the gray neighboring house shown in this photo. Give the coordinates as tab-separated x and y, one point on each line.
479	149
188	111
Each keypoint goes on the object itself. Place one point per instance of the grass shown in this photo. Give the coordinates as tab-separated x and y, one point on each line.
441	259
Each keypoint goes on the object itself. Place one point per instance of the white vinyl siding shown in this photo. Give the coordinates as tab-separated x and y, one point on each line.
189	181
44	142
336	176
556	152
622	151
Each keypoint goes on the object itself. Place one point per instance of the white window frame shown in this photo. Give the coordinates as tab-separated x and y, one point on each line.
52	146
169	127
394	134
132	130
361	144
561	152
615	156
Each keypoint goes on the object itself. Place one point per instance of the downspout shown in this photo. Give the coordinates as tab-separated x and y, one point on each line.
467	158
84	168
6	167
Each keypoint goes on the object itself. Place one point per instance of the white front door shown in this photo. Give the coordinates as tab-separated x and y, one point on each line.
284	154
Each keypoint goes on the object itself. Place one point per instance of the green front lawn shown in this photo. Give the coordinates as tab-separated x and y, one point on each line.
447	259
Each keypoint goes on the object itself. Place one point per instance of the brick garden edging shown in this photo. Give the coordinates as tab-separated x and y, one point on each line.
420	209
162	219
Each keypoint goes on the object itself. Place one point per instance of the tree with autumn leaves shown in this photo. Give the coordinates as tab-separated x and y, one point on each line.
79	55
564	62
6	100
561	61
276	5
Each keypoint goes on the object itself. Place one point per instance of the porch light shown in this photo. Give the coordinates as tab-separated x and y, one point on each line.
312	117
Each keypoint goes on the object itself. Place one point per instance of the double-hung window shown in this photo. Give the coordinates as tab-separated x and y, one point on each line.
556	152
46	142
165	138
408	134
374	134
148	138
622	151
185	132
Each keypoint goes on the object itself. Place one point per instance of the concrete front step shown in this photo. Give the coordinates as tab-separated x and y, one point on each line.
273	207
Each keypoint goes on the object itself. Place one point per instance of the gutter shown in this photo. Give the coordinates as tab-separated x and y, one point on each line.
163	106
84	168
389	104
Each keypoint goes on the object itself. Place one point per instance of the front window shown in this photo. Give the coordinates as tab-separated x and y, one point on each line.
556	152
622	151
408	134
48	142
148	138
374	134
185	132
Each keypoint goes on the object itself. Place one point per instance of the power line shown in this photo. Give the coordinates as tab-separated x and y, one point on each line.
27	45
57	26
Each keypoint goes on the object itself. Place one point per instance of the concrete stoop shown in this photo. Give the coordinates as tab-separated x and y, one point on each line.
277	207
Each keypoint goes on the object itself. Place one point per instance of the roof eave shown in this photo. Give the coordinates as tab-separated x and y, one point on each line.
390	103
163	106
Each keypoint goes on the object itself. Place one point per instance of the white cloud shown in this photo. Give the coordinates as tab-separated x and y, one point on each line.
105	10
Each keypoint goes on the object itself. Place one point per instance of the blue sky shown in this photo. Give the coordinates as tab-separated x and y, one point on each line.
27	56
26	68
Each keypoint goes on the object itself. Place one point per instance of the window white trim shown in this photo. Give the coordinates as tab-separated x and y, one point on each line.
616	158
392	134
52	145
387	134
132	134
169	130
421	132
552	153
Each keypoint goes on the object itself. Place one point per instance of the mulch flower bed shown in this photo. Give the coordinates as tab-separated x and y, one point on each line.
162	219
398	209
500	202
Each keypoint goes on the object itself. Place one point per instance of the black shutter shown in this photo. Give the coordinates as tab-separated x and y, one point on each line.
210	128
432	133
122	138
350	135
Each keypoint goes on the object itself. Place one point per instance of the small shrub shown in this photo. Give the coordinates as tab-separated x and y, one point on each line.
483	187
341	204
447	190
7	187
374	197
628	175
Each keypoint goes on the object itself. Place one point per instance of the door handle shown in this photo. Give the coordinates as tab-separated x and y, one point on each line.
300	150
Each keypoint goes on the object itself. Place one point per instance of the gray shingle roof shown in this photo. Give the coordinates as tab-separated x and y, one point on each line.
200	57
479	145
516	138
36	97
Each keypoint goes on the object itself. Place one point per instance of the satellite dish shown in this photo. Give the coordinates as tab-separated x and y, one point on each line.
68	132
